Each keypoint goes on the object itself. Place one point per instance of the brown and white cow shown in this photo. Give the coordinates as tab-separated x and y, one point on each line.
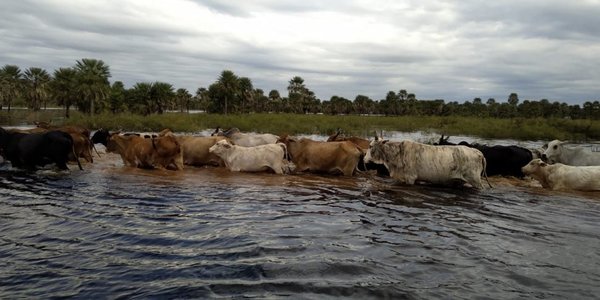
563	177
409	162
161	152
329	157
251	159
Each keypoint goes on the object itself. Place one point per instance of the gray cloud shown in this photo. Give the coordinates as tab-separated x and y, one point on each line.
436	49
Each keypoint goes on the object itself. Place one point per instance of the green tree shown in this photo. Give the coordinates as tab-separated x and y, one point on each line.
94	87
246	93
36	87
161	96
202	99
183	99
138	98
64	88
116	100
11	83
228	84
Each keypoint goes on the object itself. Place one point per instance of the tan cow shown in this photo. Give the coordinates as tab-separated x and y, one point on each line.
161	152
360	142
195	150
82	146
330	157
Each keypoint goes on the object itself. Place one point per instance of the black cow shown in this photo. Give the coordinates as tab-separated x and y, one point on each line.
37	149
501	160
100	137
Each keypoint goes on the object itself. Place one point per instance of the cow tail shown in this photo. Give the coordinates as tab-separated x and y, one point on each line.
286	154
484	173
76	157
361	158
94	146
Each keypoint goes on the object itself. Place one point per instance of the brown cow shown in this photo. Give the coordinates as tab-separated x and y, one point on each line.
363	144
82	147
161	152
330	157
195	150
66	128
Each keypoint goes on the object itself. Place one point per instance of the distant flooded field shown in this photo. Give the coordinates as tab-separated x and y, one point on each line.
112	231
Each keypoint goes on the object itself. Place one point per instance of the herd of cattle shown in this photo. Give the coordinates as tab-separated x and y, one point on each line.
556	166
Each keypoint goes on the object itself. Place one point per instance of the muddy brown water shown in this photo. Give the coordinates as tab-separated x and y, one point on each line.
110	231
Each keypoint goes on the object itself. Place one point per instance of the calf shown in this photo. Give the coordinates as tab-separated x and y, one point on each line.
563	177
251	159
410	162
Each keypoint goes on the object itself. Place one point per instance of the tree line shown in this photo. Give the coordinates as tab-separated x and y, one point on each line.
86	88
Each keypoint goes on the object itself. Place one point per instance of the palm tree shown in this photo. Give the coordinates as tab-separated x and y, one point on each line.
246	89
63	88
183	99
36	86
11	81
139	100
93	83
116	101
202	98
161	96
229	83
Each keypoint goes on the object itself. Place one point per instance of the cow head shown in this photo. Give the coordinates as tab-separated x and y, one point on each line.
375	152
535	166
220	147
553	151
101	137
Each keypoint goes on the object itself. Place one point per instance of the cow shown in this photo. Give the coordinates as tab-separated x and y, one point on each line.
363	144
329	157
246	139
160	152
66	128
501	160
251	159
196	150
409	162
558	176
82	147
31	150
101	137
557	152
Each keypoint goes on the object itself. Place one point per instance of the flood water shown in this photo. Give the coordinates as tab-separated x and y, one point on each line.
114	232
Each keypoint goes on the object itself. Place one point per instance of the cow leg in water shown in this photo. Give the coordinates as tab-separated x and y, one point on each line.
76	158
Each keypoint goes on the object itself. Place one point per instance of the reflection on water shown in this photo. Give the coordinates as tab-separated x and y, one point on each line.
112	231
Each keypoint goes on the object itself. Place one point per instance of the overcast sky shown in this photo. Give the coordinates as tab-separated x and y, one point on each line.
451	50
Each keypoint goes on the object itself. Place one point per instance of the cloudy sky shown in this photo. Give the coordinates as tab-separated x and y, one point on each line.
451	50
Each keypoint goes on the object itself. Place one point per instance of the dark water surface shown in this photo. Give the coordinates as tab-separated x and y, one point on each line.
111	231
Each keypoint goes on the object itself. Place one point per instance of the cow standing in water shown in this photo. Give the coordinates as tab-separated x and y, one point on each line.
251	159
246	139
410	162
557	152
564	177
501	160
31	150
326	157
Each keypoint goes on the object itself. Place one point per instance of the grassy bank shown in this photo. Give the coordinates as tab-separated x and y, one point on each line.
519	129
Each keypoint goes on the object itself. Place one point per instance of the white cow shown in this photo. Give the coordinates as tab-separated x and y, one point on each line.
564	177
251	159
557	152
409	162
247	139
